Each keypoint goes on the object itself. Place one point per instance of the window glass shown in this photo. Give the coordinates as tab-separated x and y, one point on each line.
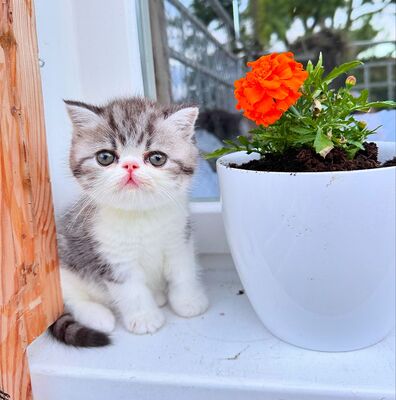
207	44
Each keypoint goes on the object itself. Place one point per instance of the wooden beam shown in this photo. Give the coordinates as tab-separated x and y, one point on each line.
160	51
30	296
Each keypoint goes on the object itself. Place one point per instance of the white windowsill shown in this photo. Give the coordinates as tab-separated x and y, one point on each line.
224	354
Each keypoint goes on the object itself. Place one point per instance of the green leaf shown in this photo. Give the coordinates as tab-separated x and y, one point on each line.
256	131
305	139
339	125
343	68
363	96
300	129
351	152
309	66
357	144
322	144
230	143
319	64
218	153
316	76
243	140
376	104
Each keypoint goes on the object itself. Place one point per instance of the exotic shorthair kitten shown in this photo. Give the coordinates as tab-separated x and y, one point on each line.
126	246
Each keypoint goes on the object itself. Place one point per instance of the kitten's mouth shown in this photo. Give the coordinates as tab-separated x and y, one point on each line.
130	181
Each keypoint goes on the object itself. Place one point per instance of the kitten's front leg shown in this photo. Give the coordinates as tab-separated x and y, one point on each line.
186	293
135	302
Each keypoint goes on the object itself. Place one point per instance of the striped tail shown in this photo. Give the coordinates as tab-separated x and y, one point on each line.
67	330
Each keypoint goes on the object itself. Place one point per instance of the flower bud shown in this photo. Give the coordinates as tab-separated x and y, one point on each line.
316	107
350	81
362	124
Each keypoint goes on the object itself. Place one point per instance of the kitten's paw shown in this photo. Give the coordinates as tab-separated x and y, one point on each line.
160	298
144	321
94	316
189	302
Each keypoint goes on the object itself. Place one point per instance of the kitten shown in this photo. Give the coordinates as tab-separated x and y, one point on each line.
126	246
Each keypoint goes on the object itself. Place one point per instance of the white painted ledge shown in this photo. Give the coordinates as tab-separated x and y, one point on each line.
225	354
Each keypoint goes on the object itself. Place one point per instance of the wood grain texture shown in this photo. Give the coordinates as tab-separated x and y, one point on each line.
30	298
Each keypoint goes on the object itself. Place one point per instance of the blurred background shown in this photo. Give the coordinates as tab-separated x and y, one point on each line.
201	47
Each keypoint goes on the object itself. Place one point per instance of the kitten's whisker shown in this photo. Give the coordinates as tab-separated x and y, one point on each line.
170	197
82	206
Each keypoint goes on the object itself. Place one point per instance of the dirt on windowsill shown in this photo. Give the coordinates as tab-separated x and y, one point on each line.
306	160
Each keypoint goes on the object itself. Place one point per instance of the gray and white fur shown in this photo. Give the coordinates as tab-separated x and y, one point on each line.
126	246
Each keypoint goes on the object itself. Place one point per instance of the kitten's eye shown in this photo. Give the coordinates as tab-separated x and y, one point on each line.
157	158
105	158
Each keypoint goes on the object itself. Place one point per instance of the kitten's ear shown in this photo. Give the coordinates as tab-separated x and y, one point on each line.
184	120
83	115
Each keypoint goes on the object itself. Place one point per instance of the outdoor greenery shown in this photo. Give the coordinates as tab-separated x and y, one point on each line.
262	19
315	16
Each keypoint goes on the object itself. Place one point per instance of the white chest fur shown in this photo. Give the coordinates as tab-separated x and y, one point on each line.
130	237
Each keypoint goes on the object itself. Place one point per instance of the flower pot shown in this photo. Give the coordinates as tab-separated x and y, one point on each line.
315	251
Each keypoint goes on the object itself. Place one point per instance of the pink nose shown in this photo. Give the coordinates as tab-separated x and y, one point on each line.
130	165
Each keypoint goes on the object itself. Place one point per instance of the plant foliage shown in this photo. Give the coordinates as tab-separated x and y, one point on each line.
323	118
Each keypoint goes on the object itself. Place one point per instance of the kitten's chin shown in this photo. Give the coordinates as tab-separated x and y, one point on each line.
134	200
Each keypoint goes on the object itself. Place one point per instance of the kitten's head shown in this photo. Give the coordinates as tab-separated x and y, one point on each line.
133	153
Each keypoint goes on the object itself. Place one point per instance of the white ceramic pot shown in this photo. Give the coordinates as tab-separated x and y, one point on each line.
315	251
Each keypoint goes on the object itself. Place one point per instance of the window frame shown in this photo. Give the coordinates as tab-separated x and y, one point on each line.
206	215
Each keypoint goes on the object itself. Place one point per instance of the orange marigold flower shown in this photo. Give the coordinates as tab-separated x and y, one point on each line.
270	88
